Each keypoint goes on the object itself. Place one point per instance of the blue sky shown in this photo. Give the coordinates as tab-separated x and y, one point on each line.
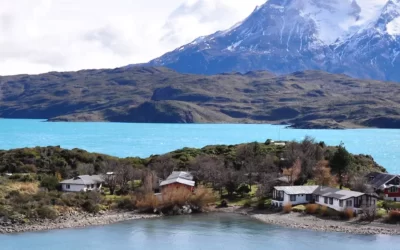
45	35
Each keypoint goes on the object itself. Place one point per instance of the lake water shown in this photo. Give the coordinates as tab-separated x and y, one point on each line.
211	231
127	139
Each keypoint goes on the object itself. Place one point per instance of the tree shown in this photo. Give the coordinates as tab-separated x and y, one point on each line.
322	174
163	165
209	169
340	163
294	172
359	183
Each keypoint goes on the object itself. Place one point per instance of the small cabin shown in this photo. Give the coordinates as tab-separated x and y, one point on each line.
178	179
83	183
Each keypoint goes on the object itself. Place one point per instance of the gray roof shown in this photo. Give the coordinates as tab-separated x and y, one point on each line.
84	180
336	193
379	179
320	190
297	189
179	177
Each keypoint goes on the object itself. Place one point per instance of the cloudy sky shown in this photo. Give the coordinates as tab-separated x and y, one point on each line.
45	35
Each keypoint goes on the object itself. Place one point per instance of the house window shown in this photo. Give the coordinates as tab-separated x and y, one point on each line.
341	203
308	197
293	198
349	203
317	198
393	189
331	201
68	186
92	185
326	200
87	186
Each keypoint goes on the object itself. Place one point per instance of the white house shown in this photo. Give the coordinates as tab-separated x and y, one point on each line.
82	183
334	198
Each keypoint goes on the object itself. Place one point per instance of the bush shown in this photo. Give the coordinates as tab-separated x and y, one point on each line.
247	203
47	212
394	216
91	207
287	208
299	209
128	203
347	214
224	203
49	182
381	213
323	211
312	208
23	177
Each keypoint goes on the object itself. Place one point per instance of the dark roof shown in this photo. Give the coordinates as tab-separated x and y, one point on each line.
84	180
377	180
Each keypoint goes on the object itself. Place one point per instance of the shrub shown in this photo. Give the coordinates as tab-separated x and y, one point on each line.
243	189
323	211
47	212
224	203
49	182
347	214
247	203
127	202
381	213
91	207
312	208
299	209
394	216
287	208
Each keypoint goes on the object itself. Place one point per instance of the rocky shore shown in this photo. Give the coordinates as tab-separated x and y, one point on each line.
73	221
301	221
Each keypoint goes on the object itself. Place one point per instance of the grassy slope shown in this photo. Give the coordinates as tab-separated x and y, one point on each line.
140	94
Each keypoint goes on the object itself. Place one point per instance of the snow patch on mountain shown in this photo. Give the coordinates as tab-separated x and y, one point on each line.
393	28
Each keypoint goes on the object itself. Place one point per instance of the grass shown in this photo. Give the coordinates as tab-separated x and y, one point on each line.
299	209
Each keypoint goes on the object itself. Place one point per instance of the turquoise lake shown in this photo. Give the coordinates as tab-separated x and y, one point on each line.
126	139
197	232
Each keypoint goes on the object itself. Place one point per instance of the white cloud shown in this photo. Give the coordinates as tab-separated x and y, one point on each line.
45	35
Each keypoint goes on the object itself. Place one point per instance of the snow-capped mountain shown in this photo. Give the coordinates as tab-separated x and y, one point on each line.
357	37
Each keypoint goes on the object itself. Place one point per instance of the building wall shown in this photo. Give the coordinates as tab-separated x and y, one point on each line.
301	199
392	196
79	188
177	185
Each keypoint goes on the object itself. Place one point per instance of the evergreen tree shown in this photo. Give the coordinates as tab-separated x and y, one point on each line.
341	162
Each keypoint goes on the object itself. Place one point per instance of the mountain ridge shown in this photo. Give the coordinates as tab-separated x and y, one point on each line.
358	38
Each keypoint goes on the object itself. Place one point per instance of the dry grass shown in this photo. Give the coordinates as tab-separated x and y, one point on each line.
24	187
287	208
176	196
312	208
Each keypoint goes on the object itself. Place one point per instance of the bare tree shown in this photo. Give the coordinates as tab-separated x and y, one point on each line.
86	169
294	172
359	182
322	174
210	170
163	165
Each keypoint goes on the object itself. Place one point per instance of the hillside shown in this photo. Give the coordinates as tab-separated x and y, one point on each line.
310	99
31	196
359	38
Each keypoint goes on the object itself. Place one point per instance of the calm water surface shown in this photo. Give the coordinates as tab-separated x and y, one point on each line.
123	139
197	232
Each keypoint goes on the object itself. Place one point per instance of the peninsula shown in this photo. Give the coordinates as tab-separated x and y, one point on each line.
309	99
